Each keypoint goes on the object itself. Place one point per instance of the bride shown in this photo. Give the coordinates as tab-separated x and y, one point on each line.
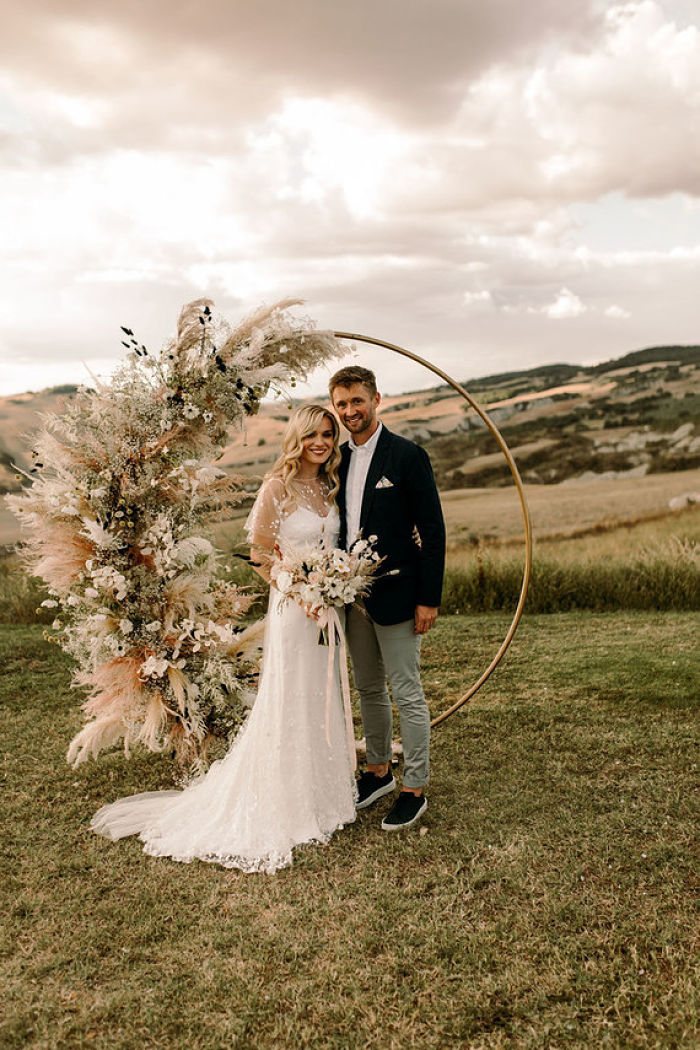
284	781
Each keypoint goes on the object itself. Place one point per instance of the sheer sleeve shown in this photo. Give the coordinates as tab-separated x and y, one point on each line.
263	523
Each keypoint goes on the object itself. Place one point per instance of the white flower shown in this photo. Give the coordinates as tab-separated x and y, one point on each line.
57	625
72	599
340	560
126	626
90	592
283	581
372	539
308	594
49	603
190	411
153	626
153	667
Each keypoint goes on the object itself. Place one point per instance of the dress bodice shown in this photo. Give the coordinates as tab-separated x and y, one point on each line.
303	526
304	520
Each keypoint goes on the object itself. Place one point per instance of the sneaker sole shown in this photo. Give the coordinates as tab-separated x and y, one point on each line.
408	823
379	793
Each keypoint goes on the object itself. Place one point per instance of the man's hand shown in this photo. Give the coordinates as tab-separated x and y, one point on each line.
424	618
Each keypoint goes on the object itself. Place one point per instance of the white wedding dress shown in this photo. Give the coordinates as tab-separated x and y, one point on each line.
281	784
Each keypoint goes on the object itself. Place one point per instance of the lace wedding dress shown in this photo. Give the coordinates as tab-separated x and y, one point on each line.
281	784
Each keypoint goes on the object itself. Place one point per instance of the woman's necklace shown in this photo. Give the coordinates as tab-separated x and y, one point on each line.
313	489
314	482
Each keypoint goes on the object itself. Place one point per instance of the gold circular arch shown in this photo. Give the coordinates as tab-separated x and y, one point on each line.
523	504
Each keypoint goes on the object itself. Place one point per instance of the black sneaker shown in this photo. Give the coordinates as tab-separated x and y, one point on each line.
370	787
407	809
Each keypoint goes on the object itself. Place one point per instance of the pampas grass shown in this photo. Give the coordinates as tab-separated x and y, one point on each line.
116	521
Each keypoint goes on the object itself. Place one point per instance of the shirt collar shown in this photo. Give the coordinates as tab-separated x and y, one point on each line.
369	446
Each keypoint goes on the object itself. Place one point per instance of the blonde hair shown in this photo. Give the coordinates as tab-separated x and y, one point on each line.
302	424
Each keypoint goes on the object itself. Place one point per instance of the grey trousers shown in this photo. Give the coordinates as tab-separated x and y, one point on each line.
379	653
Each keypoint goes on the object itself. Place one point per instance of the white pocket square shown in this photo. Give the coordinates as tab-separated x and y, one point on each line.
384	483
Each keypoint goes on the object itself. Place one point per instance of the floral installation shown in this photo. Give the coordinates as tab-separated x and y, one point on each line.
123	489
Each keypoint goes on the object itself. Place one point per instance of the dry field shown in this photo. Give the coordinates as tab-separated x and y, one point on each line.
562	510
557	511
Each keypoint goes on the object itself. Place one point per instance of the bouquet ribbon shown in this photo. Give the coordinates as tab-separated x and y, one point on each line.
329	618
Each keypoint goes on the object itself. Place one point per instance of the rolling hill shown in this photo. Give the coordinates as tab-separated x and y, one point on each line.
621	419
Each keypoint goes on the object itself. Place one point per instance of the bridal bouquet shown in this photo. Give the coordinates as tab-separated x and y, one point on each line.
326	577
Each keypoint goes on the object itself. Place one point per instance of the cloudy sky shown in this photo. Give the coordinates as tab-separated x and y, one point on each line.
493	185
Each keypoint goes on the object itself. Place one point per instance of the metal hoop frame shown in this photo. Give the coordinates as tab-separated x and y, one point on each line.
527	568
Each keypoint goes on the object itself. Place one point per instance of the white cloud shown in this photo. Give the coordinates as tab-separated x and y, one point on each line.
564	306
478	298
444	176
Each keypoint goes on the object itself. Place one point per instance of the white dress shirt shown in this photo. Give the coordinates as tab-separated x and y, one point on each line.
360	459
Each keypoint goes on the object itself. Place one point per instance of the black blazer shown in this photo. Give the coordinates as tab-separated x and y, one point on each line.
392	513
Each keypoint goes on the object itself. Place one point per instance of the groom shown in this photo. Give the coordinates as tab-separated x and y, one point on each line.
387	490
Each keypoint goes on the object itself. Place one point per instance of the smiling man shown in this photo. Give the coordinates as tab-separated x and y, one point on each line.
387	490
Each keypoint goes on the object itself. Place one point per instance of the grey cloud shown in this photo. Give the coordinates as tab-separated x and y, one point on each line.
197	66
468	236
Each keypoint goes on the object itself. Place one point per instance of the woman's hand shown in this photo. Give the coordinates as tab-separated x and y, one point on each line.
261	560
312	611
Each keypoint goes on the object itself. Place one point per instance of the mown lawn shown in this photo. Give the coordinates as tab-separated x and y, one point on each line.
545	902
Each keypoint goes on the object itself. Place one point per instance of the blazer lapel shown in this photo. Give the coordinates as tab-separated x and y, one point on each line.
374	473
341	499
343	468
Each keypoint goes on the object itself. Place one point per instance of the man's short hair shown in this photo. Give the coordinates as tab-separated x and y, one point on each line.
353	374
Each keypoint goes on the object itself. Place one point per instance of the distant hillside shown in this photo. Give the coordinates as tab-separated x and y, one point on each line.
684	355
631	416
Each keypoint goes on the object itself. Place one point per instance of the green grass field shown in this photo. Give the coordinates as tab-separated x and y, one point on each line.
545	901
